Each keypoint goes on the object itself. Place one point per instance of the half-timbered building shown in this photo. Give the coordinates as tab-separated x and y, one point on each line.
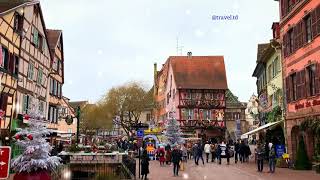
193	87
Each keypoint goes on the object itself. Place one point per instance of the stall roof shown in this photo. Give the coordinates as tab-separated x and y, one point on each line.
266	126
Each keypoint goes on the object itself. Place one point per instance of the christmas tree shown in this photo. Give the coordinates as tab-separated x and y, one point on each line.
173	132
36	150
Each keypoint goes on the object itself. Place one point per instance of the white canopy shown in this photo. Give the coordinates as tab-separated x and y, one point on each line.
266	126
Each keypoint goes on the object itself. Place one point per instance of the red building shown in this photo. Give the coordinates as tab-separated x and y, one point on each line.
300	30
193	87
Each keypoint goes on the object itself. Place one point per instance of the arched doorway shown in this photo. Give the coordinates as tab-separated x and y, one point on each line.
294	141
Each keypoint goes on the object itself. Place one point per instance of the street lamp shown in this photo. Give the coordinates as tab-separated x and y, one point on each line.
78	123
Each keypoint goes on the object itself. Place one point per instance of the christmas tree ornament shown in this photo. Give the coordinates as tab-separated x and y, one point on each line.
30	137
17	137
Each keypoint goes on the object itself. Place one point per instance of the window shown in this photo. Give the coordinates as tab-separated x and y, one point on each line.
311	73
148	117
30	71
188	95
16	65
25	103
40	75
41	107
5	58
34	35
18	23
53	114
40	43
190	114
294	86
308	28
3	101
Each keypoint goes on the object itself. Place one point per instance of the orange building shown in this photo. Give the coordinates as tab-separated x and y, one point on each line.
300	36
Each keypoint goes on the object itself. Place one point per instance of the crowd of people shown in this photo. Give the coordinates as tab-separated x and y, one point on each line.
177	155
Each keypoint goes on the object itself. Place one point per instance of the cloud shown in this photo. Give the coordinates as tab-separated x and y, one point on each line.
100	52
188	12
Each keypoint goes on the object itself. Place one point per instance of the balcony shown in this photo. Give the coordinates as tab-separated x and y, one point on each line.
201	103
198	124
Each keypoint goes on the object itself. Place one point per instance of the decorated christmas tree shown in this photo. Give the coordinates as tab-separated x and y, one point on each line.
36	150
173	132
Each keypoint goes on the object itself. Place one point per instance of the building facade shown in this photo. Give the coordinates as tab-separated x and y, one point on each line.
235	116
27	62
261	75
299	33
193	88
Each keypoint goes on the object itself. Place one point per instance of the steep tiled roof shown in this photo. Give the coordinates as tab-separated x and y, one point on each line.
199	72
7	5
261	49
53	38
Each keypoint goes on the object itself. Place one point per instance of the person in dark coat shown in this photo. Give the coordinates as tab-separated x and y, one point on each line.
144	164
176	157
259	156
194	152
242	151
236	149
199	154
247	152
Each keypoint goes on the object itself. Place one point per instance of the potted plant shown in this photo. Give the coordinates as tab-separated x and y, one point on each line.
35	161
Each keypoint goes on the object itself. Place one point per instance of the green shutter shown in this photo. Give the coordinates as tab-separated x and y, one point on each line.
25	103
35	38
40	74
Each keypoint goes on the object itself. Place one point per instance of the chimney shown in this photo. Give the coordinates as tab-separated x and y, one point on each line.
189	54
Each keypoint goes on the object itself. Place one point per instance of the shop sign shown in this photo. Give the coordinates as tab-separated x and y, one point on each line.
307	104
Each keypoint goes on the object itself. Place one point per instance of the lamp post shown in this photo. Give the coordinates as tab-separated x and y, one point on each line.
78	123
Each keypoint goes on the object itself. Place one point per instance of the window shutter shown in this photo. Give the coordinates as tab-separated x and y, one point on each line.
302	83
288	89
317	79
314	23
298	84
285	7
11	63
318	19
307	83
295	36
304	33
284	45
35	37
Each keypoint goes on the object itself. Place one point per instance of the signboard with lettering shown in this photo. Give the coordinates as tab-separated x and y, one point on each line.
280	150
5	152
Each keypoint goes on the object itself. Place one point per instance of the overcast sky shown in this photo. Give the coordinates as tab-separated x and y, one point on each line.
108	43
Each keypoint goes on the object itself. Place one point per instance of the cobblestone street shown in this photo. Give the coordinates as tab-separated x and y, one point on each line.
227	172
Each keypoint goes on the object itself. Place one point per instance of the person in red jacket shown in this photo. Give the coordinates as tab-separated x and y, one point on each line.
161	155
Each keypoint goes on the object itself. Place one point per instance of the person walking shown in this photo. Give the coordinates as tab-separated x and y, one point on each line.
168	154
224	152
242	151
272	157
161	155
236	149
144	165
189	150
176	159
259	156
199	154
207	150
247	152
194	153
213	152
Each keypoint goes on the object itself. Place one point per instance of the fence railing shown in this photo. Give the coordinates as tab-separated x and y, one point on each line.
96	169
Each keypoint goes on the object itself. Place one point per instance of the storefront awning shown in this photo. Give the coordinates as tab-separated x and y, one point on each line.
266	126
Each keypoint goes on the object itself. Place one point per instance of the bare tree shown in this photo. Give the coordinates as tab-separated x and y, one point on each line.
127	101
